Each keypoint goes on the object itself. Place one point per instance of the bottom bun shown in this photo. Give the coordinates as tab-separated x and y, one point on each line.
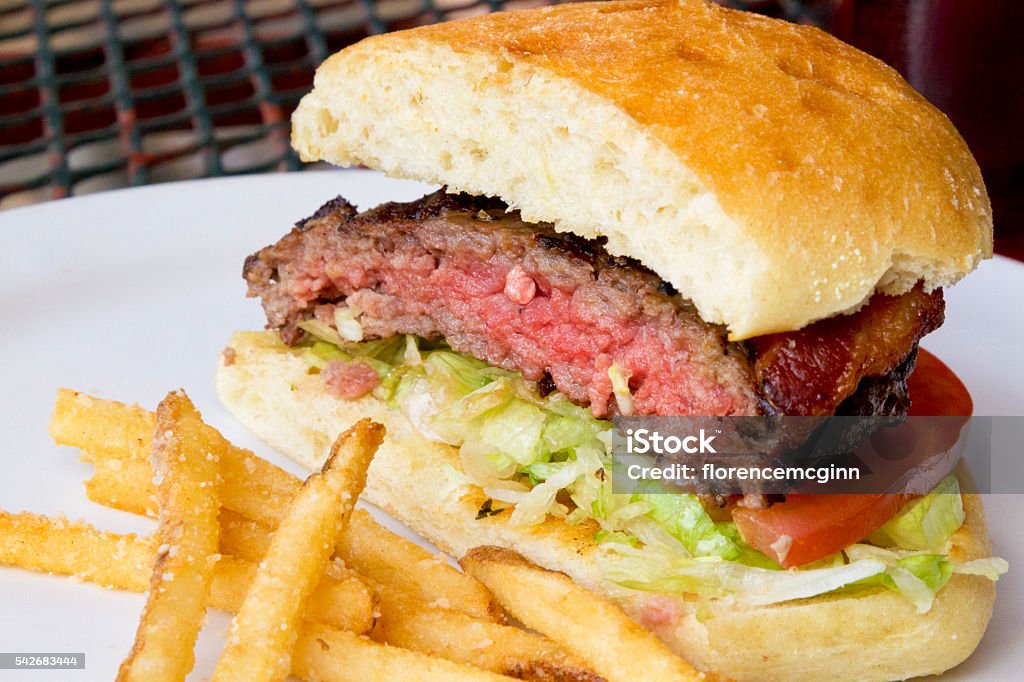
869	635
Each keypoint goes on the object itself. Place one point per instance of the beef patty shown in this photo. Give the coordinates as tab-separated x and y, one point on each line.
562	310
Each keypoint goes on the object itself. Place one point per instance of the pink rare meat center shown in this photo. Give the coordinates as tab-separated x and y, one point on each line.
562	310
523	319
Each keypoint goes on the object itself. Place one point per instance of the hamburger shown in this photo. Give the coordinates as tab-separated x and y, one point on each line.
647	209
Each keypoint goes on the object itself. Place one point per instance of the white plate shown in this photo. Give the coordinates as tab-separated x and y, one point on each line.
131	293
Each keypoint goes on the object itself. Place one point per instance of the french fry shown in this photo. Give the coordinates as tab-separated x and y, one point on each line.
125	484
390	560
341	599
53	545
591	627
116	438
365	545
382	556
73	548
101	428
256	488
107	429
242	537
326	654
259	491
186	462
263	634
408	622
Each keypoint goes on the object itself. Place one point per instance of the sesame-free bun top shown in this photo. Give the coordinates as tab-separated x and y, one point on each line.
771	173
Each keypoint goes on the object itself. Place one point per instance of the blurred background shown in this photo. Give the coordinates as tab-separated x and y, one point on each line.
101	94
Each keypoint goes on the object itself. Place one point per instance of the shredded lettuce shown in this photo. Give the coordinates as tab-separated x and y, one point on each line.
540	501
915	576
320	353
538	453
523	448
927	522
649	569
918	576
602	536
620	387
747	554
321	330
990	567
683	516
412	356
347	324
515	430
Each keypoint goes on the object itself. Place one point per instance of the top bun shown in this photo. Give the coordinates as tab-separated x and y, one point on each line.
771	173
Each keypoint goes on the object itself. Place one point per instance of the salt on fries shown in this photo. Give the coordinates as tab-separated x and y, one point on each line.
186	465
299	612
256	490
264	632
342	599
125	562
112	429
125	484
390	560
613	645
324	654
424	622
408	622
109	430
385	558
256	497
55	545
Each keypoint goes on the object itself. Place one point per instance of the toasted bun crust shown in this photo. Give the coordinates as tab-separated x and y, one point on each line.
773	174
869	636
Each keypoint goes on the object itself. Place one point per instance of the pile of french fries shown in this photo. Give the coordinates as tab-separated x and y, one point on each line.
320	590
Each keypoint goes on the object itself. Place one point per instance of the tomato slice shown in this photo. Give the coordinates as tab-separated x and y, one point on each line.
936	391
819	525
816	525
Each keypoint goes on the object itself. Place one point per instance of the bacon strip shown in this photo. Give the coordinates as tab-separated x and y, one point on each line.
811	371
